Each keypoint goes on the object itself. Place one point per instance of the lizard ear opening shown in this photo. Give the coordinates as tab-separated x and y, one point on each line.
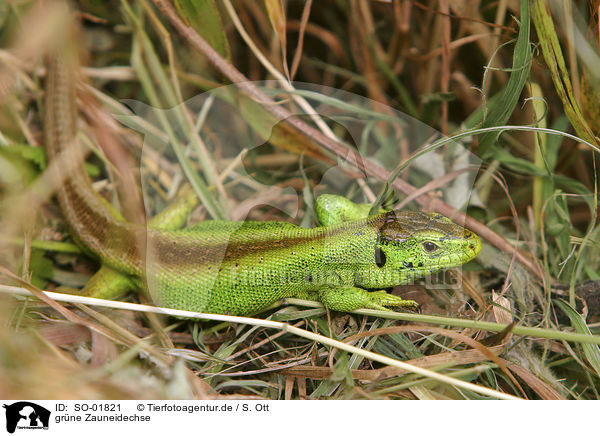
380	258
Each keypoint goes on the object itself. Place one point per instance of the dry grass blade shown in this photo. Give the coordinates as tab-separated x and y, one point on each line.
544	390
457	336
461	357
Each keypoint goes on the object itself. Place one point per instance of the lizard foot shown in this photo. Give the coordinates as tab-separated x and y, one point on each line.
382	300
348	298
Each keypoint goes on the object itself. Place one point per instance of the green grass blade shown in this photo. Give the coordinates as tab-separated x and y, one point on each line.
502	108
591	351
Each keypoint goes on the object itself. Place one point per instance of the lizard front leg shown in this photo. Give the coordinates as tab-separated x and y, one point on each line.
349	298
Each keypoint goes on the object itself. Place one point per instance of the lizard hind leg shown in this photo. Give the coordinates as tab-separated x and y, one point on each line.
348	298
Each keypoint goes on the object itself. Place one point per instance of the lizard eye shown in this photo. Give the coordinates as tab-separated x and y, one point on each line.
430	246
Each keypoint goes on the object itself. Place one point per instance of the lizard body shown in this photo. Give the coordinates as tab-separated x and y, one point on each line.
242	267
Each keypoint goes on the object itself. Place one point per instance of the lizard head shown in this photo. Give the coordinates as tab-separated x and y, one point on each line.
417	243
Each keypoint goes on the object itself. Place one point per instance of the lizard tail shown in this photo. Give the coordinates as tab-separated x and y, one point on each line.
93	223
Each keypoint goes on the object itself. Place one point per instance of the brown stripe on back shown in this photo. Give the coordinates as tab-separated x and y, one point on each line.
177	248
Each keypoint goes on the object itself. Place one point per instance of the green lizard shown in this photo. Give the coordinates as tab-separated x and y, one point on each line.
240	268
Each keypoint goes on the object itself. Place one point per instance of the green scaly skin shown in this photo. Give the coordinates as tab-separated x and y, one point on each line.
240	268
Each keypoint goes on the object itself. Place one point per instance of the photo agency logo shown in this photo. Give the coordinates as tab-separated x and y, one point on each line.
257	153
25	415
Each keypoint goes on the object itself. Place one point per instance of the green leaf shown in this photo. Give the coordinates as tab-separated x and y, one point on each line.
204	16
341	370
591	351
35	155
518	164
40	267
553	142
20	163
501	109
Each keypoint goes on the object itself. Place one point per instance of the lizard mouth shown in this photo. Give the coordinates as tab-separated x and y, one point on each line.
469	249
473	247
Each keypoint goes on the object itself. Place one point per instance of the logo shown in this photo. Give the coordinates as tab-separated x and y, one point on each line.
26	415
